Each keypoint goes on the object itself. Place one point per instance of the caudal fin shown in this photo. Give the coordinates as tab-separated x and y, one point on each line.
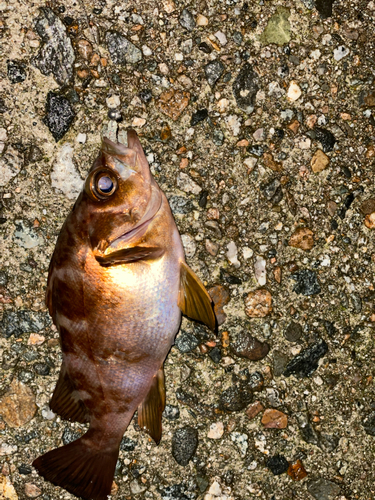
79	469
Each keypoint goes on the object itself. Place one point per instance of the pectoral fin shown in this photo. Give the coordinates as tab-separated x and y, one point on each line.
193	299
128	255
151	409
66	401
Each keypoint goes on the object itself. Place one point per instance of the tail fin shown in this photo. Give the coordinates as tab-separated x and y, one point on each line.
79	469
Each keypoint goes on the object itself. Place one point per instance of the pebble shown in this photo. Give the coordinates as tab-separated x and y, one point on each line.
294	91
32	491
127	444
234	123
370	221
319	161
59	115
306	362
222	38
7	491
186	342
307	282
184	444
326	138
278	28
16	71
258	303
248	347
214	491
121	50
297	471
254	409
17	405
7	449
277	464
173	102
136	488
245	88
198	117
180	205
138	122
25	236
10	165
220	297
269	161
369	424
302	238
213	70
323	489
64	175
171	412
241	441
56	54
201	20
81	138
216	430
293	332
274	419
185	183
113	101
235	398
260	270
232	254
340	53
187	20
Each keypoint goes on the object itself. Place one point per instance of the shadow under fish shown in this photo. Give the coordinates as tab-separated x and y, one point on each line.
117	286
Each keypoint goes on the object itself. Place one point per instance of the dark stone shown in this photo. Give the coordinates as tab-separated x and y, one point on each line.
69	435
254	381
213	71
127	444
121	50
324	7
215	355
42	369
323	489
145	95
330	328
3	107
272	190
356	303
174	492
278	464
25	376
229	278
328	442
25	321
30	355
34	154
186	342
187	20
115	114
56	54
256	150
24	469
346	170
171	412
229	477
346	205
16	71
306	362
194	403
218	137
203	199
308	433
204	47
184	444
3	278
59	115
293	332
247	346
237	37
29	437
235	398
307	282
202	483
198	116
245	88
180	205
369	424
326	138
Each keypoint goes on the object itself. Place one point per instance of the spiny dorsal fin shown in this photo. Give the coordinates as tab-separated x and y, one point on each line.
193	299
151	409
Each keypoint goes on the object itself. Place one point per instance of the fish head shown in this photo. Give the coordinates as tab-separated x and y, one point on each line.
119	194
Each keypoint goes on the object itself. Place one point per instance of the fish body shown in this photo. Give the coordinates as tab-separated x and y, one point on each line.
117	286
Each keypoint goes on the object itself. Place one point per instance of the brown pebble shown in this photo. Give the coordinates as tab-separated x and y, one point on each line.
370	221
274	419
95	60
83	73
184	163
104	62
253	410
242	144
211	247
331	207
85	49
32	491
203	348
17	406
247	346
271	163
258	304
94	73
294	126
231	425
368	206
225	341
302	238
220	297
53	342
213	214
173	102
165	133
277	274
319	161
297	471
370	99
114	488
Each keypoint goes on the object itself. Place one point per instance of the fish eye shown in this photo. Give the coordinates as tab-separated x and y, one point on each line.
105	185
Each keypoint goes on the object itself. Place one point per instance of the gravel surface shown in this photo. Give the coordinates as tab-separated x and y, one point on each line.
258	121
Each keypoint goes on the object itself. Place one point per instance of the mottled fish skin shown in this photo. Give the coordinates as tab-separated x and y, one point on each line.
116	322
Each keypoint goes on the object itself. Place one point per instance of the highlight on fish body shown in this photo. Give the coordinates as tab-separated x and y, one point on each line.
117	286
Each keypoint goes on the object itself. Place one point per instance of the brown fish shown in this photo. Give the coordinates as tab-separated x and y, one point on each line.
117	285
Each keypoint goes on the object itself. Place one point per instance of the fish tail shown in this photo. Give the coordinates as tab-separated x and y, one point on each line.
80	468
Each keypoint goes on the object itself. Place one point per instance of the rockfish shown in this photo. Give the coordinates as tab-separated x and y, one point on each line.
117	286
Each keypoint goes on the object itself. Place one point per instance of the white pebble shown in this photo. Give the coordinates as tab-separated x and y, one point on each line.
340	52
81	138
138	122
247	253
250	162
294	92
146	50
241	442
179	56
64	175
222	38
232	254
234	123
216	430
189	245
113	101
260	270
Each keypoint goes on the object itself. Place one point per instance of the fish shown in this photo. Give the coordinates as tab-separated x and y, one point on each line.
117	286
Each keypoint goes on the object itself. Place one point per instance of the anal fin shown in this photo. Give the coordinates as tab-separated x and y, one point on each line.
151	409
193	298
65	400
